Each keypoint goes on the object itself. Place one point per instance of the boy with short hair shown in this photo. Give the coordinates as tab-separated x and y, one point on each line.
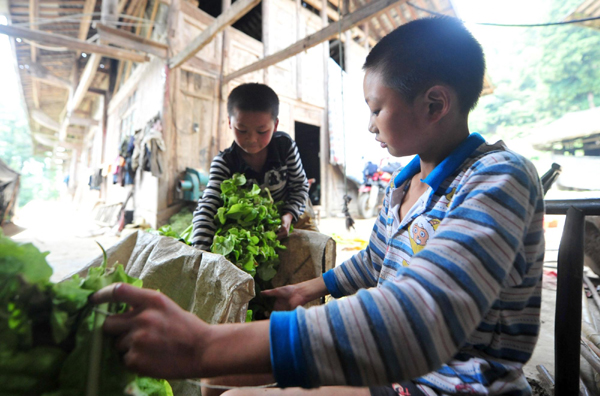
266	157
446	297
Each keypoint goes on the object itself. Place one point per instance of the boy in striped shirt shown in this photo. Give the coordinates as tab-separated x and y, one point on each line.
266	157
445	299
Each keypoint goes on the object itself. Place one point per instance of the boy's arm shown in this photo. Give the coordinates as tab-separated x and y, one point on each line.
204	215
411	325
297	184
362	270
403	330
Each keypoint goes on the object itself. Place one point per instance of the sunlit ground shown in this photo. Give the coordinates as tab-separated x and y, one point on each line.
68	235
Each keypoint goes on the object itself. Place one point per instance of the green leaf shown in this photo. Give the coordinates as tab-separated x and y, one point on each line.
239	179
144	386
23	259
266	272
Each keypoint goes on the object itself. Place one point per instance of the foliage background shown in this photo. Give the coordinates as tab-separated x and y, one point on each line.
539	73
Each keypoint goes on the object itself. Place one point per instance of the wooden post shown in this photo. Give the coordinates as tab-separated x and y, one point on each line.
346	43
266	35
223	87
299	35
169	113
326	189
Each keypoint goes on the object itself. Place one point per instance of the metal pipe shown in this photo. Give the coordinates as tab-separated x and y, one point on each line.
567	334
589	207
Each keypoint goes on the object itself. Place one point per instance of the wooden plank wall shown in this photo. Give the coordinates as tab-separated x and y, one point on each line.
198	92
188	97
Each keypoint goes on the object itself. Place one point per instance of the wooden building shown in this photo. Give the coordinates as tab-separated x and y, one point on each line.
93	72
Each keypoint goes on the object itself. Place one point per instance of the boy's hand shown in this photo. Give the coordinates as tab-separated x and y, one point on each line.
289	297
157	337
286	222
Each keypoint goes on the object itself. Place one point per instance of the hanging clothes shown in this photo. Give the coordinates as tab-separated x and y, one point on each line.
152	148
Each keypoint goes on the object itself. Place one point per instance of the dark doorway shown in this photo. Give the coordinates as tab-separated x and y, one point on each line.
251	23
309	146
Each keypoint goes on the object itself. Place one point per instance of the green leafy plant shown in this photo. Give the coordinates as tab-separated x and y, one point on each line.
248	222
51	340
247	236
167	230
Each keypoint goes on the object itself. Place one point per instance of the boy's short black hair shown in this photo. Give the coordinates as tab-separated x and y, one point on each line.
430	51
253	97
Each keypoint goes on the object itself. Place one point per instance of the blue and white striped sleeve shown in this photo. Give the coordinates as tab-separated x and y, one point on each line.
362	270
297	184
204	215
410	326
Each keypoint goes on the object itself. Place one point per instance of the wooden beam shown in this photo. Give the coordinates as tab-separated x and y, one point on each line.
152	19
400	13
333	15
227	18
71	43
84	83
51	141
75	100
412	12
97	91
88	122
366	12
131	9
131	41
138	28
37	71
121	6
372	41
84	27
45	120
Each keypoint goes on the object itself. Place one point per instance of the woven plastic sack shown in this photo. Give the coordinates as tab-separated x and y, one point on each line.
203	283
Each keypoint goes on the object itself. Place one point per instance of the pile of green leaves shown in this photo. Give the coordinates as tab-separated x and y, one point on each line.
51	340
248	222
246	235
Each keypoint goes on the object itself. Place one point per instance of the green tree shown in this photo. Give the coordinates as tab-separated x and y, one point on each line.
539	74
39	175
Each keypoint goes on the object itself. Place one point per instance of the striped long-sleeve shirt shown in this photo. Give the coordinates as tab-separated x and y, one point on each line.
449	296
282	174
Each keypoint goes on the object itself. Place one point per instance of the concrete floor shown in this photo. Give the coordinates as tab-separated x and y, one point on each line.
71	238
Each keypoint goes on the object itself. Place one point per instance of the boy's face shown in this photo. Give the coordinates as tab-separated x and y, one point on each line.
395	123
252	130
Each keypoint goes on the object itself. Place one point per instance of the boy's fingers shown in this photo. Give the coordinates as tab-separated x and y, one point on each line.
122	293
117	324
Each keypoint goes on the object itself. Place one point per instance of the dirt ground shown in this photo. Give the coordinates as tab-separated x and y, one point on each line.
70	238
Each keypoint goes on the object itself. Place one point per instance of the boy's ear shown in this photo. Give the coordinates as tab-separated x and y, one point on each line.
229	121
276	124
438	100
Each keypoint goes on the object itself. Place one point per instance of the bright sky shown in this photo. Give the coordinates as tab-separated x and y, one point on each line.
501	11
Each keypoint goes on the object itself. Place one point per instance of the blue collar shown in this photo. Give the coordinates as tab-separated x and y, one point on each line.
444	168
